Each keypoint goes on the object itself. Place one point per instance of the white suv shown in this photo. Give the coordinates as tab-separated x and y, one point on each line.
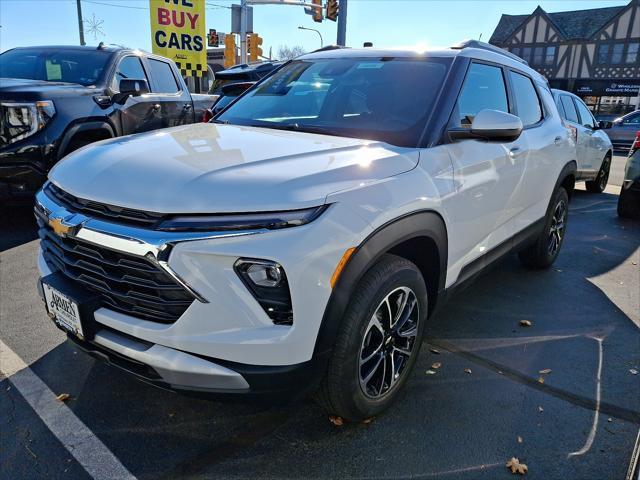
301	241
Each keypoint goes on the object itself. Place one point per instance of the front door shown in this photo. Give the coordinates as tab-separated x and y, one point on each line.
172	101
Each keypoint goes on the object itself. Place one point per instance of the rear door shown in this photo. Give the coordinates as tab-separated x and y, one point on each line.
583	134
597	148
172	101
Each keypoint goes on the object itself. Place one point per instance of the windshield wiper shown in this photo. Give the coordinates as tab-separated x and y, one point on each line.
299	128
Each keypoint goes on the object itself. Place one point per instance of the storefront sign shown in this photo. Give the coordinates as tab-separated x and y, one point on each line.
178	33
613	88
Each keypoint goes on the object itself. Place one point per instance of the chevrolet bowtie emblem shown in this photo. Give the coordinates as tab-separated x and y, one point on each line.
66	227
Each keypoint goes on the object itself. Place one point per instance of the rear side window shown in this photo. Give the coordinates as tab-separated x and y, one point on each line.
163	76
585	115
569	109
483	88
526	99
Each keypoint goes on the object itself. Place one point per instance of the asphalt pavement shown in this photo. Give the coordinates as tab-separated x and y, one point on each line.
485	403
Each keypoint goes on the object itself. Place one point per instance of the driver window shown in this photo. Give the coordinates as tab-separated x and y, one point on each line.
483	88
129	67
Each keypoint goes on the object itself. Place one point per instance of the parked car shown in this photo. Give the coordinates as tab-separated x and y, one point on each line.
594	150
622	130
54	100
629	199
242	73
301	241
228	93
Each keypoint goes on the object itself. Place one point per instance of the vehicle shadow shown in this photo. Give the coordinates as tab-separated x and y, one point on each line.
18	226
481	404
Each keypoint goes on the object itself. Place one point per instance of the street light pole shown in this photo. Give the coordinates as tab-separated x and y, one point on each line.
80	26
342	23
313	30
243	31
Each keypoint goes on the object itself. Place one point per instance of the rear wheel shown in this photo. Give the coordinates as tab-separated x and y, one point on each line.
378	341
600	182
546	248
628	204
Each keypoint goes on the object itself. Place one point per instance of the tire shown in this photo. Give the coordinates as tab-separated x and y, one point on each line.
598	184
628	204
364	335
546	248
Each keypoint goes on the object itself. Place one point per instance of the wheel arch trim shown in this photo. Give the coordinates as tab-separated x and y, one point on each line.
82	127
424	223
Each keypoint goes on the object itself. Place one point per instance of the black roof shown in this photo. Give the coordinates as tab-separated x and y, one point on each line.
102	47
251	67
573	25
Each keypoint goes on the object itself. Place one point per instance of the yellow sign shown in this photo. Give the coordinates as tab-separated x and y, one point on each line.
178	33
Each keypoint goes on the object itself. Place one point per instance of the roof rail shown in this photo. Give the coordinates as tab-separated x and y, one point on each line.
489	47
329	47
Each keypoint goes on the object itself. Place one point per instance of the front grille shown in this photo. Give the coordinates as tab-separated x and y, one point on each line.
126	283
122	215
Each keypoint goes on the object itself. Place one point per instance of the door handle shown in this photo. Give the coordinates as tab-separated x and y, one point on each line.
156	106
187	106
557	140
514	152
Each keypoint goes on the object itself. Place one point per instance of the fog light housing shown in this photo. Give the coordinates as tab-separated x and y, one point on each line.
267	282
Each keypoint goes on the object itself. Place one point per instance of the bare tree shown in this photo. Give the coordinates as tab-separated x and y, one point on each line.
287	53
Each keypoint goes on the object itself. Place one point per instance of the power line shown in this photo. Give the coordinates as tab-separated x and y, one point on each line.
115	5
215	5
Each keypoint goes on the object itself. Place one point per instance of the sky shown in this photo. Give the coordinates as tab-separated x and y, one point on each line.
386	23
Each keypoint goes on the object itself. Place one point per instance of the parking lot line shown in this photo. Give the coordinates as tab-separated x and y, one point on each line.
86	448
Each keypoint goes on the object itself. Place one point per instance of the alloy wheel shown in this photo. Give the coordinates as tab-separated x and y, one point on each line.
556	231
604	176
388	342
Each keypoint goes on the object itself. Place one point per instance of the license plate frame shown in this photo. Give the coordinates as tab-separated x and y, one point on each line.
63	310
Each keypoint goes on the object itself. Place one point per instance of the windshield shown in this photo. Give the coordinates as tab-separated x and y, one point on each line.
72	66
222	80
386	99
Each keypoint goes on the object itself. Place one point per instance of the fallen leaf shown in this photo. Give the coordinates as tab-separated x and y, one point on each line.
367	421
336	420
634	263
430	372
633	371
558	270
172	414
63	397
519	439
436	365
540	380
516	467
609	419
500	372
467	370
545	371
434	350
525	323
540	409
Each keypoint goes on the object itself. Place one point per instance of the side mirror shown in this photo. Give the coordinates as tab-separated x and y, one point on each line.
604	124
491	125
131	87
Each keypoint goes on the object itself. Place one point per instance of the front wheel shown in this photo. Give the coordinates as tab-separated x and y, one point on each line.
546	248
600	182
378	341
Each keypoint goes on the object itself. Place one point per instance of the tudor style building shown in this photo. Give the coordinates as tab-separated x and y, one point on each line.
593	53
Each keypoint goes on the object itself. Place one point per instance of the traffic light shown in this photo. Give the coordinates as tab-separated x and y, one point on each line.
212	39
229	50
332	10
253	45
317	11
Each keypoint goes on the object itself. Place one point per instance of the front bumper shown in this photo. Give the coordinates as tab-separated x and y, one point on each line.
224	342
23	169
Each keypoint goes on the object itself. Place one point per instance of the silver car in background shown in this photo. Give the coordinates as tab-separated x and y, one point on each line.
622	130
594	149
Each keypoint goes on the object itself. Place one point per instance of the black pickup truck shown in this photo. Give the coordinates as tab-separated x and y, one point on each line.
54	100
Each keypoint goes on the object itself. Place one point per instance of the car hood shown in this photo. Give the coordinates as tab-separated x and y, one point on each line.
20	89
205	168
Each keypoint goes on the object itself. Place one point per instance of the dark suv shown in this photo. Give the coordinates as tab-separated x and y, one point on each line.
54	100
242	73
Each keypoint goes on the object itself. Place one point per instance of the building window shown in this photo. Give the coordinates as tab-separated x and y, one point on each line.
516	51
538	54
632	53
550	56
616	54
603	53
526	54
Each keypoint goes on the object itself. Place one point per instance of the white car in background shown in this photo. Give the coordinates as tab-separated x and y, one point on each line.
594	150
302	239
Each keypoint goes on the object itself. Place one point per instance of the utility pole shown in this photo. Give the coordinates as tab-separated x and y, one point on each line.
80	24
313	30
342	24
243	31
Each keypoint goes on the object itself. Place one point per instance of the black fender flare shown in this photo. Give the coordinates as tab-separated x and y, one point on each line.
425	223
570	169
82	127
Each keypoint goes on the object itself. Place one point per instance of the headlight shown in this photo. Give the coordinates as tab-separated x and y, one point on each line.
20	120
268	284
253	221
